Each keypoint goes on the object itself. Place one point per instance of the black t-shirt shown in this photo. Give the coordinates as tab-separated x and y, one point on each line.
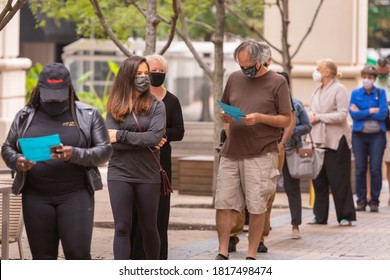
54	177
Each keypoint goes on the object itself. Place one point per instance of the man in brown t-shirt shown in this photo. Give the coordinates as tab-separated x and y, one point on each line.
248	167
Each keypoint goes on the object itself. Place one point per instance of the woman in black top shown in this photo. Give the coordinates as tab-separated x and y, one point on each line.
174	132
136	122
58	194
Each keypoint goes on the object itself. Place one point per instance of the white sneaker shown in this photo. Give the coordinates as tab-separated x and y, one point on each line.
295	234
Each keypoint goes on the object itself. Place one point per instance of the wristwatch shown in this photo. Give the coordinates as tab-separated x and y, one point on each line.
283	143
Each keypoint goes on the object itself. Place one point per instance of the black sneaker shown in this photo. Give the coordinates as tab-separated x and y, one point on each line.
374	207
222	257
262	248
360	206
233	240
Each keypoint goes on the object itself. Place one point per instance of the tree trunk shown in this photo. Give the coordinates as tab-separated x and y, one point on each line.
152	21
217	85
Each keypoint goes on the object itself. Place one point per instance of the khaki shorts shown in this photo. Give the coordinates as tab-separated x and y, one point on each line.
249	182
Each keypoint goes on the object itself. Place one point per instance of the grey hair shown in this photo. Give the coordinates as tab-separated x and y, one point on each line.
254	49
159	58
266	50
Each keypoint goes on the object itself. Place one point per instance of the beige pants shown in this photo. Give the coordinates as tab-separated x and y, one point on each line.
239	217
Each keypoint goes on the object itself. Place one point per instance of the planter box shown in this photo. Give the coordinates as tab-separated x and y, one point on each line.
196	175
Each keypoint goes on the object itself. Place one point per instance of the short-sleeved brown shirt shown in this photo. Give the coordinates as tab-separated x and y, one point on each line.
267	94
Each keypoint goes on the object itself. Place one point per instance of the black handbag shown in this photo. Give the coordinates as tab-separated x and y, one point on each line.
387	121
165	184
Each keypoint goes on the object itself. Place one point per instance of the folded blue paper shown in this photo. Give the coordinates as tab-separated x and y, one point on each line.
235	112
38	148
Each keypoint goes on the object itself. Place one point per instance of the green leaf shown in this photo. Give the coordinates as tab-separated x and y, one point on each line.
84	77
114	67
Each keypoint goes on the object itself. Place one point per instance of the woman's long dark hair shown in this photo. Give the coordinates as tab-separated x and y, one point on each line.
123	96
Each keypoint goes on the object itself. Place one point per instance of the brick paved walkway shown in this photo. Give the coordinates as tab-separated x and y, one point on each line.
368	238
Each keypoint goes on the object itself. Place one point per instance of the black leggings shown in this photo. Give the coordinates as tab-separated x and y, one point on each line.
146	199
67	217
162	225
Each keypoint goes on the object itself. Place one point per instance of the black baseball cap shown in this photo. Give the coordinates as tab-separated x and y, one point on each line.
54	82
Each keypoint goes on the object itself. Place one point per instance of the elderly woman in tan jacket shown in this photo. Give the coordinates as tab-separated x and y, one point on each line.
328	114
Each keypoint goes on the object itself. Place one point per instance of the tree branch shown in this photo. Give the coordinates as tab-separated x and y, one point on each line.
309	29
183	33
252	29
109	31
280	8
152	22
8	12
7	8
134	3
202	24
173	27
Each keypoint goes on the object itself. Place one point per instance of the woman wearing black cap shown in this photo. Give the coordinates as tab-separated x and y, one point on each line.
368	109
58	194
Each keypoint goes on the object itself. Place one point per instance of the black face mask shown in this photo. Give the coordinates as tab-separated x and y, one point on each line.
250	72
54	108
157	78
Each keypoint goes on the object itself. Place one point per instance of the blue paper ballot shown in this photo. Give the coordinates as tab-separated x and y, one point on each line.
235	112
38	148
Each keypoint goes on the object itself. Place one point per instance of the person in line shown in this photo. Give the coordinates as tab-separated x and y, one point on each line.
383	81
248	172
292	186
135	122
174	132
328	115
368	110
240	219
58	194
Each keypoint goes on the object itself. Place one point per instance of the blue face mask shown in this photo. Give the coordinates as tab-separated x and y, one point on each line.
250	72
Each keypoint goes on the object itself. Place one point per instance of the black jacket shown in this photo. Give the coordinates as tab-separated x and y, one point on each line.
93	129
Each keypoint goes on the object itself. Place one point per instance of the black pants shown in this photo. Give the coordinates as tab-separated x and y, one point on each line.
162	225
124	197
292	188
336	173
67	217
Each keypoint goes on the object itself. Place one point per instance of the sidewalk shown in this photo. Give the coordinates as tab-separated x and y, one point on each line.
192	234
